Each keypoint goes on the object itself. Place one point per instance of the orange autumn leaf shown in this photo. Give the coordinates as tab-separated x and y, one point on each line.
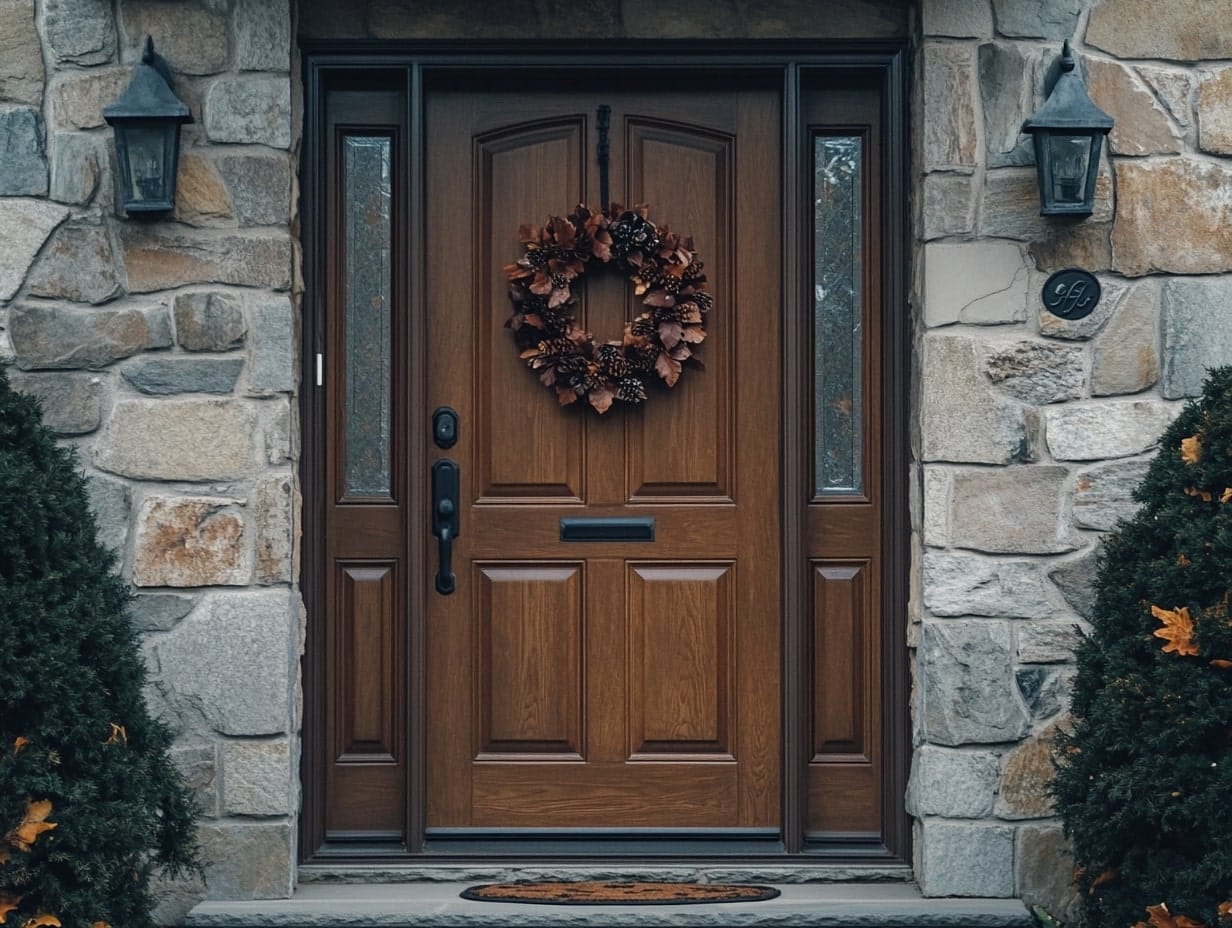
1177	631
33	825
1201	494
1227	495
1222	665
1191	449
42	919
118	734
1182	561
7	905
1106	877
100	925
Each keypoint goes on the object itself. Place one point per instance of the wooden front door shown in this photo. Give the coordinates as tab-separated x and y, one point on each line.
606	684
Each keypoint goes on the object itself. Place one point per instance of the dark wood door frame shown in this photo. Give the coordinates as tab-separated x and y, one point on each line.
403	66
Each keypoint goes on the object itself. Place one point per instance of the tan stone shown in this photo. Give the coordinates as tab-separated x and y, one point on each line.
1142	126
1011	207
162	258
1174	87
948	205
199	192
1215	112
77	100
193	439
21	59
1010	510
1173	216
190	542
24	227
274	499
1178	30
949	107
1087	245
193	39
1044	867
1027	776
77	265
1125	358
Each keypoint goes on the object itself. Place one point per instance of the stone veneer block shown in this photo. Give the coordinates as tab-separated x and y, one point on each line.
1179	30
227	666
1075	578
199	765
78	265
958	19
1046	642
949	107
271	346
72	403
1173	215
275	528
263	35
969	585
200	195
161	258
1011	210
166	376
984	283
1091	431
1215	112
158	612
953	784
1142	126
962	859
208	321
937	506
256	777
1044	868
1103	495
1125	356
194	38
1038	372
1026	778
249	110
1038	19
1009	78
58	336
948	205
76	166
77	99
21	59
194	439
248	861
24	227
962	419
966	684
191	541
1085	244
80	31
1044	690
110	501
1012	510
259	186
1197	332
23	161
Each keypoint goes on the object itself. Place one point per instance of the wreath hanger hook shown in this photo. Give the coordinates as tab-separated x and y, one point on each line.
603	123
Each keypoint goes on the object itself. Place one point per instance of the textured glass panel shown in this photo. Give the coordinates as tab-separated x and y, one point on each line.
838	337
366	206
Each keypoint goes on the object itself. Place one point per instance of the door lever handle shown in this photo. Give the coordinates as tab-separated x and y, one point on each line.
445	521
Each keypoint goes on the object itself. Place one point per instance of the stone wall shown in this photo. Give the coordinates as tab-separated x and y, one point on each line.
1032	431
166	351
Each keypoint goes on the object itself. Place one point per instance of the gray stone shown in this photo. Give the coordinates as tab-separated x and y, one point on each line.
24	227
958	19
176	897
1054	326
263	35
110	501
1045	872
1038	19
271	347
1009	78
162	258
191	541
21	59
1103	495
1179	30
249	110
259	186
1215	112
1038	372
949	107
1125	356
77	163
948	205
1011	210
158	612
227	665
1091	431
194	38
256	777
1026	778
77	265
248	861
1185	196
1174	87
962	419
80	31
1142	125
1197	332
963	859
1043	690
72	403
199	765
1046	642
1076	580
23	160
164	376
77	99
276	418
53	336
195	439
1013	510
980	283
966	684
966	585
208	321
955	784
275	497
937	506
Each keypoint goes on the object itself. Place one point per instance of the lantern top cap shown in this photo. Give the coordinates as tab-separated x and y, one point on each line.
149	94
1069	106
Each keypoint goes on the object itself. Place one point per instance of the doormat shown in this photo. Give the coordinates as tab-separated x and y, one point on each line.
593	892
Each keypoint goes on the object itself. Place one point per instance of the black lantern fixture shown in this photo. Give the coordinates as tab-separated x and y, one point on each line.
147	120
1068	131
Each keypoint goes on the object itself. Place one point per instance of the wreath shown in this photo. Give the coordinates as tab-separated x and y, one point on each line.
665	272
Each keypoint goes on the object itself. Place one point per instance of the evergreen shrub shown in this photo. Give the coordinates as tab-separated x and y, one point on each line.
1144	779
90	803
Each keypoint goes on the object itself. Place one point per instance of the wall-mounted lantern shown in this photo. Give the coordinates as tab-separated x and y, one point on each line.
1068	131
147	119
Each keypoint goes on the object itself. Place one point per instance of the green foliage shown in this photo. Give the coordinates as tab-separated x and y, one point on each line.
71	683
1144	781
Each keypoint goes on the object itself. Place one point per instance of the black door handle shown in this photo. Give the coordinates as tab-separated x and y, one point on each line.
445	521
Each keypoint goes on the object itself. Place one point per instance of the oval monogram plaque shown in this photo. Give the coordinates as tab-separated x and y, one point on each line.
1071	294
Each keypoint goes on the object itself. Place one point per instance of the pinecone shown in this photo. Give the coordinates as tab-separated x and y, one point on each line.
553	347
633	233
631	390
613	360
643	326
642	359
704	300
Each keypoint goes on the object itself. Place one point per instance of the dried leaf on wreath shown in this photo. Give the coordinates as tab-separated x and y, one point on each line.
1177	630
660	298
1200	494
694	334
670	333
565	395
1191	449
601	398
668	368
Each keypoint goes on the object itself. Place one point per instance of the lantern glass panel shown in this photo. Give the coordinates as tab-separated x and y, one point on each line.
1071	155
148	152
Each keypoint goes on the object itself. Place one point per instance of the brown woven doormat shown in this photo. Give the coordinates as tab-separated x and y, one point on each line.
603	893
